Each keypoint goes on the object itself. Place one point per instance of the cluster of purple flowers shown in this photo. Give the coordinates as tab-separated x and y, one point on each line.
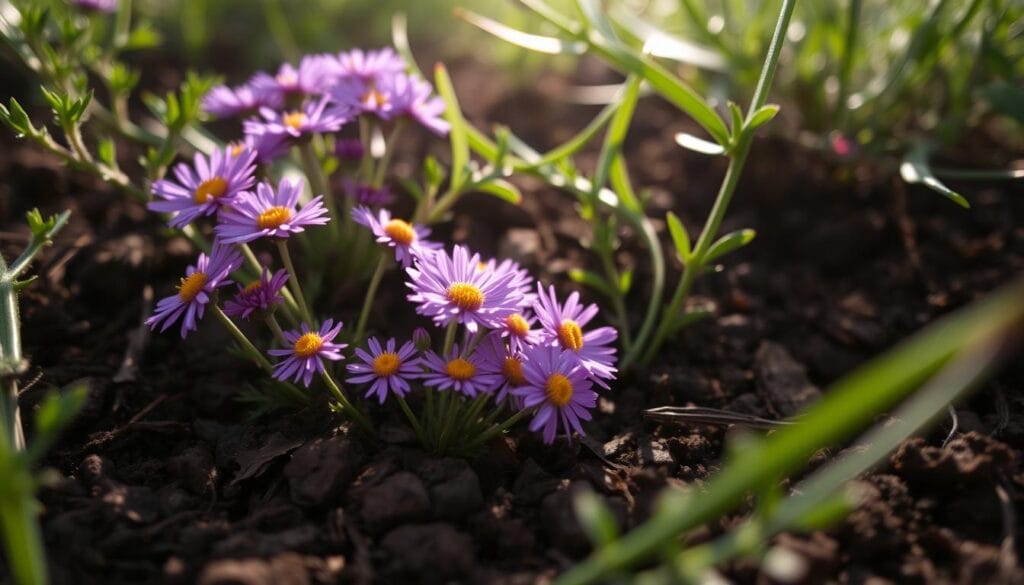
322	94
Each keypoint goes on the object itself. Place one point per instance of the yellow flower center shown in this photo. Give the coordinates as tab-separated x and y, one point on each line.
517	325
558	389
214	187
191	285
467	297
460	369
236	148
400	231
513	371
570	335
386	364
308	344
294	120
374	98
273	218
252	287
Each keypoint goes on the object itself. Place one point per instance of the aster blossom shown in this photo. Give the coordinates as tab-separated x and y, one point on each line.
461	373
453	288
408	240
308	348
559	387
270	213
206	186
388	369
105	6
413	97
498	359
195	290
563	327
318	116
517	330
225	102
370	65
314	75
259	295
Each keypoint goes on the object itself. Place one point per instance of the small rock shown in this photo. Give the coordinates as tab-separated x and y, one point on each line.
195	470
398	499
320	470
428	553
534	483
454	488
284	569
970	457
782	380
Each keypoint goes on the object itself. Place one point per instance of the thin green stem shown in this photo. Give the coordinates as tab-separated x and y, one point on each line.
416	426
275	327
371	293
389	149
352	412
255	354
738	158
650	237
449	337
25	551
293	281
318	184
846	64
496	430
618	303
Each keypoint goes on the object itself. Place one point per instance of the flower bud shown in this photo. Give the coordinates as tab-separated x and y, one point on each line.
421	339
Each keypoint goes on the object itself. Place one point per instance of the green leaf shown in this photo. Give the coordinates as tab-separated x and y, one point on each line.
666	45
412	188
729	243
690	316
501	189
610	161
143	36
457	136
762	116
680	237
915	170
595	19
400	39
736	114
56	411
592	280
532	42
626	281
595	518
691	142
17	119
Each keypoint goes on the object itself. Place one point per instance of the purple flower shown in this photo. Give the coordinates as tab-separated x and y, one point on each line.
225	102
370	65
516	328
105	6
315	117
521	280
259	295
404	237
313	76
309	348
412	97
496	358
270	214
211	185
453	288
460	373
390	370
563	327
559	387
194	290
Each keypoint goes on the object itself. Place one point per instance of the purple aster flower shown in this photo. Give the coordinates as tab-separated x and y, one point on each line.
368	194
225	102
453	288
270	213
212	184
496	358
370	65
259	295
105	6
316	116
412	97
559	387
521	280
194	290
388	369
407	239
460	373
314	75
516	329
309	347
421	339
563	327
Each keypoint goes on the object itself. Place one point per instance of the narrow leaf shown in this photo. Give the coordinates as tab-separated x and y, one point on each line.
502	189
532	42
762	116
729	243
680	237
452	113
594	281
691	142
915	170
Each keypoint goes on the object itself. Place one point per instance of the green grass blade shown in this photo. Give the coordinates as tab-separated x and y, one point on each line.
458	137
915	170
532	42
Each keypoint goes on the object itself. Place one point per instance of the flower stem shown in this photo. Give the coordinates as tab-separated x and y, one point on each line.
371	293
276	328
293	281
254	353
385	159
355	414
449	337
496	430
416	427
318	183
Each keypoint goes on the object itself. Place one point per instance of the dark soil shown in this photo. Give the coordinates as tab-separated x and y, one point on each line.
163	478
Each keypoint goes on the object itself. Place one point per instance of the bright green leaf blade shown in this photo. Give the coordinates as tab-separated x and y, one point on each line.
729	243
457	136
595	518
680	237
915	170
762	116
668	46
400	38
592	280
532	42
502	189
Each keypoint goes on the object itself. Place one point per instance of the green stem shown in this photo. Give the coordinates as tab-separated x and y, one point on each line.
412	419
646	230
496	430
371	293
318	184
846	64
612	273
254	353
24	543
355	414
293	281
738	158
389	149
275	327
449	338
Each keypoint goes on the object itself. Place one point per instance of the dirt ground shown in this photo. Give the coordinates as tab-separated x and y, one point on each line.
164	477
